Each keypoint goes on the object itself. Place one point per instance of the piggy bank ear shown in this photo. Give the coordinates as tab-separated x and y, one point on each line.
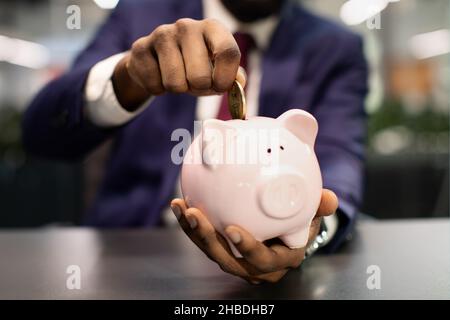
302	124
213	142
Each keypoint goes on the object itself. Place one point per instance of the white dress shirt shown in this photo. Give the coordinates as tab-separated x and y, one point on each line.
103	108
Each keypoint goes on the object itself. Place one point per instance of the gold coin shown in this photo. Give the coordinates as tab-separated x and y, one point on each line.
236	101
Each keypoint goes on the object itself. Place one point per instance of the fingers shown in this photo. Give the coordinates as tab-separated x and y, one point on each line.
255	270
170	58
178	207
224	52
195	55
314	229
143	67
328	203
263	258
198	57
202	233
241	77
197	228
271	277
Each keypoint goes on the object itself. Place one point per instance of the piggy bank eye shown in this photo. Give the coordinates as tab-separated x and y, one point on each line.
269	150
281	147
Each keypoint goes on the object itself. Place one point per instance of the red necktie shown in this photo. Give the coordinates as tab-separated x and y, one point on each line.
246	43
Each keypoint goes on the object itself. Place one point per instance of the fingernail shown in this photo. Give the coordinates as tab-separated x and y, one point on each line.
176	211
234	236
243	72
192	221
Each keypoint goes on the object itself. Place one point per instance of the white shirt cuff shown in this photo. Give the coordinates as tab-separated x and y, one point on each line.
102	106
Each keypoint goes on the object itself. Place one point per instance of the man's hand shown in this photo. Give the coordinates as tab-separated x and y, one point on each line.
268	261
189	56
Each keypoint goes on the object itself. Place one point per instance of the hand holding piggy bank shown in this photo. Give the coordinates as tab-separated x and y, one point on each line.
260	174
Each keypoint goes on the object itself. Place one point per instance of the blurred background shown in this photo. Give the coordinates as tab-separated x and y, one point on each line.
407	44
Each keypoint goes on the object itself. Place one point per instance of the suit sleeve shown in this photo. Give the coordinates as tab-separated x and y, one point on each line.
340	143
53	124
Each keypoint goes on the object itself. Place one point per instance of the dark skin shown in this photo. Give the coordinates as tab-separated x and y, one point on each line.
261	261
201	57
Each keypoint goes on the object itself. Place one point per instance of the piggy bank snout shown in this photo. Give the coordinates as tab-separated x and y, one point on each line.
283	196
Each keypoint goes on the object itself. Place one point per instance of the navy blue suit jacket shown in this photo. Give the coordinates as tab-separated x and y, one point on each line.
311	63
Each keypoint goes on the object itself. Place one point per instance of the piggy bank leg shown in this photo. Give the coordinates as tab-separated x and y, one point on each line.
296	239
235	251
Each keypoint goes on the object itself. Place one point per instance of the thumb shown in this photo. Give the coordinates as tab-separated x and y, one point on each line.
328	204
241	77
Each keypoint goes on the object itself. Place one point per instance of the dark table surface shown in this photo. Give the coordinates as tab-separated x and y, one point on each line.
413	257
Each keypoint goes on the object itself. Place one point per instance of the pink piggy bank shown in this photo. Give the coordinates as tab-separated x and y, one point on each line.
260	174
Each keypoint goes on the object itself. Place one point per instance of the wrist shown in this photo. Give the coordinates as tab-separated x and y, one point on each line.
129	94
327	230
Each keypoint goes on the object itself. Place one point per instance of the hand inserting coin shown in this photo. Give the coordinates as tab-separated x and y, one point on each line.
236	96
